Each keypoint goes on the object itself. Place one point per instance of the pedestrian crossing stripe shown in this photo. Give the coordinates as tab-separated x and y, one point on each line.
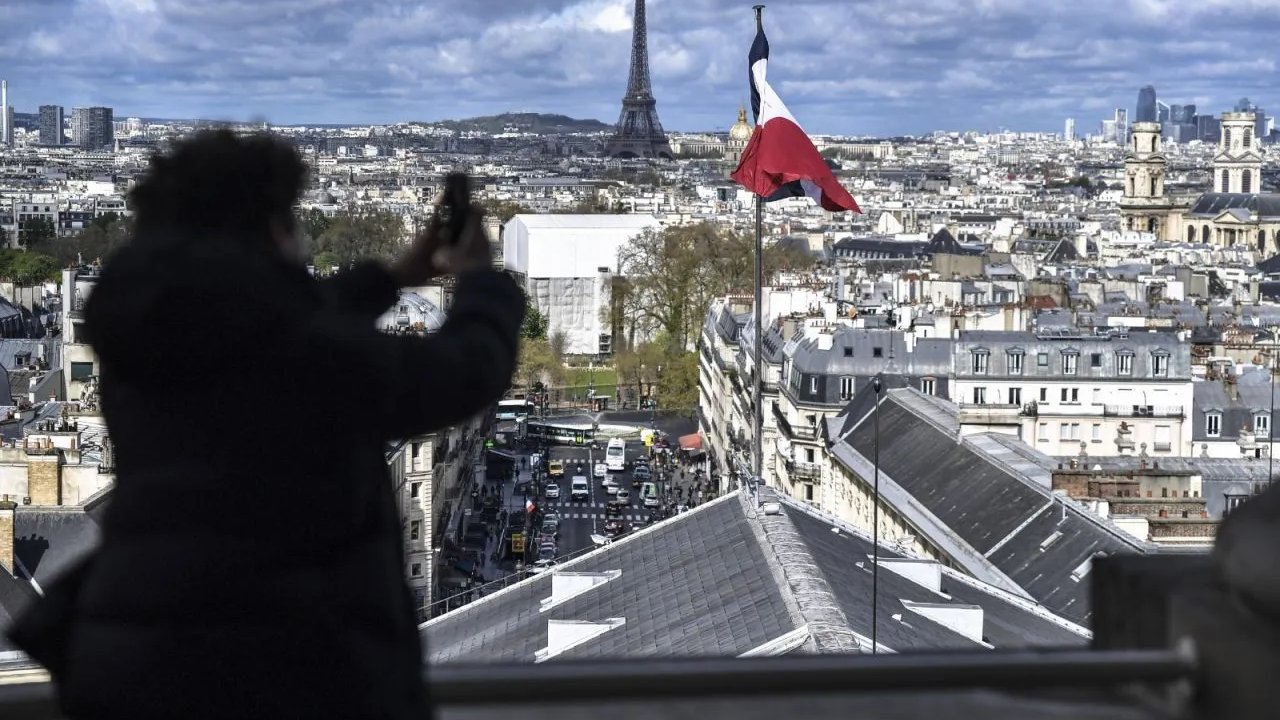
601	516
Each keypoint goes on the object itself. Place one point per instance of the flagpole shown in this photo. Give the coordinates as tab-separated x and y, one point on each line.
758	418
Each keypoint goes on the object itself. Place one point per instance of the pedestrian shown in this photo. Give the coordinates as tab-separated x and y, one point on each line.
214	265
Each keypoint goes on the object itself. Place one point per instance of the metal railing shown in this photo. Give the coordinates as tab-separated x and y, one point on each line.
1158	411
529	685
805	470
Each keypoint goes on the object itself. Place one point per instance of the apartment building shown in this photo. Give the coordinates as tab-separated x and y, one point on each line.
1062	390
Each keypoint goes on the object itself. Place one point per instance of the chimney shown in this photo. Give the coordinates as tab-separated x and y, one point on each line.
6	536
44	479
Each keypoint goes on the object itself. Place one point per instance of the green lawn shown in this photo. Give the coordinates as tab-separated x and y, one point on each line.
604	379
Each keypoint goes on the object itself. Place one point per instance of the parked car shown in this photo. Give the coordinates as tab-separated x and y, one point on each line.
553	491
549	527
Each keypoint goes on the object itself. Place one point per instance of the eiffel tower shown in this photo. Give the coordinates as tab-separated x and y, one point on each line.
638	133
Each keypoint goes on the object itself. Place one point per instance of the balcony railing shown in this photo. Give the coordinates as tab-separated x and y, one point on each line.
803	432
906	685
805	470
1157	411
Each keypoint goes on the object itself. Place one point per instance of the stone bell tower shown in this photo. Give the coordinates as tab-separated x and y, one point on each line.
1144	207
1237	168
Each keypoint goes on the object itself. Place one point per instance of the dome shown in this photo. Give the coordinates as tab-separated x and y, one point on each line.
740	131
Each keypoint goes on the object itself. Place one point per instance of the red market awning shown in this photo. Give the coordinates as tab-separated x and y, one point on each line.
691	442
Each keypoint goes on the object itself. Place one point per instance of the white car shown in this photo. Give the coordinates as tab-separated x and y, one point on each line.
553	491
601	470
649	493
610	486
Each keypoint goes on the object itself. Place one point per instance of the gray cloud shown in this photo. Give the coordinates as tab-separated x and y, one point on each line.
864	67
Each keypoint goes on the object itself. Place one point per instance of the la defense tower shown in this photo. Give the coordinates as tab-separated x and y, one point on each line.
639	134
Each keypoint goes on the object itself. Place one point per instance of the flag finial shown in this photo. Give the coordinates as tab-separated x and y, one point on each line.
759	17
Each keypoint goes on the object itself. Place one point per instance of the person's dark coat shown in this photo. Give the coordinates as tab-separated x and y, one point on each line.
251	563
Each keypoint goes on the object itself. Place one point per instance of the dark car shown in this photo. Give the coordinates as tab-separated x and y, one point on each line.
614	528
611	510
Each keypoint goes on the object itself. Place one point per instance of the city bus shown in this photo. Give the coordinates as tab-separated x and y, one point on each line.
559	434
513	409
615	456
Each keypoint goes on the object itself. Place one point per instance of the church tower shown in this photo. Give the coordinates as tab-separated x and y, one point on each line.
1237	168
1144	207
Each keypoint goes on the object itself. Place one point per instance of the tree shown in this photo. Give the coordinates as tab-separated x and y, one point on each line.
536	363
673	274
28	268
36	232
504	210
100	237
535	323
361	233
678	384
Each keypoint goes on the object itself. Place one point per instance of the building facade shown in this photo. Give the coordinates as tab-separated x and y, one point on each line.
51	122
93	128
1065	392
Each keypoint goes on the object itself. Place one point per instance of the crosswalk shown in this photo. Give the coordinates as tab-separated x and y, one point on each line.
630	517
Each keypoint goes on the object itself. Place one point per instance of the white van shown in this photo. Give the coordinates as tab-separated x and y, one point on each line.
649	494
579	489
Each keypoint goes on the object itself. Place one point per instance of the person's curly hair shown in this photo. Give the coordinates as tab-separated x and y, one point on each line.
216	186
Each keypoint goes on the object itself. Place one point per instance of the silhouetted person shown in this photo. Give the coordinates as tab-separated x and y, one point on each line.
251	563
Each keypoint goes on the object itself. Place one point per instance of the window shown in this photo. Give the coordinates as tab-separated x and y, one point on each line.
1124	364
1095	361
1042	360
808	455
980	358
813	384
1226	182
1262	425
808	492
877	352
979	396
1070	395
1246	182
416	449
848	352
1096	435
1064	432
1097	396
1044	395
1075	431
928	386
1162	439
1069	362
415	569
1014	361
415	529
846	388
1160	365
1015	396
1042	433
81	370
1213	424
415	489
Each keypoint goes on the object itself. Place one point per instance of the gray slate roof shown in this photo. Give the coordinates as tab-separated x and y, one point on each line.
725	579
48	540
699	584
969	499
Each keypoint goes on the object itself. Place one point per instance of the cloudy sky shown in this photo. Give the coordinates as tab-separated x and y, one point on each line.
874	67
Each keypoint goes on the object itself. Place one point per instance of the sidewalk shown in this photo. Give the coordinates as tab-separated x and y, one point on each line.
513	503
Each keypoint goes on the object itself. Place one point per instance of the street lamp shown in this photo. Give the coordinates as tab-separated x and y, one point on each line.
875	522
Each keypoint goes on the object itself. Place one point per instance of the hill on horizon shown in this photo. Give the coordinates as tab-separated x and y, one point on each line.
539	123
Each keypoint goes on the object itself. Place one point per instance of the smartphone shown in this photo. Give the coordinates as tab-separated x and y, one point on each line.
456	206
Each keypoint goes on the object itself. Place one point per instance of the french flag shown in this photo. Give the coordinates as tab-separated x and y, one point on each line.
780	161
528	505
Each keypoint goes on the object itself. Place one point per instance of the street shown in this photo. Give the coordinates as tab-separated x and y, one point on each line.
579	520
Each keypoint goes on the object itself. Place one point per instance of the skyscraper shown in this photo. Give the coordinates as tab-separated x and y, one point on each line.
1069	130
51	121
92	128
1122	125
1146	105
6	115
1162	112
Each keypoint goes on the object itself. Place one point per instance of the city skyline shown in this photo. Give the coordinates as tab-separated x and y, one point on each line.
860	69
